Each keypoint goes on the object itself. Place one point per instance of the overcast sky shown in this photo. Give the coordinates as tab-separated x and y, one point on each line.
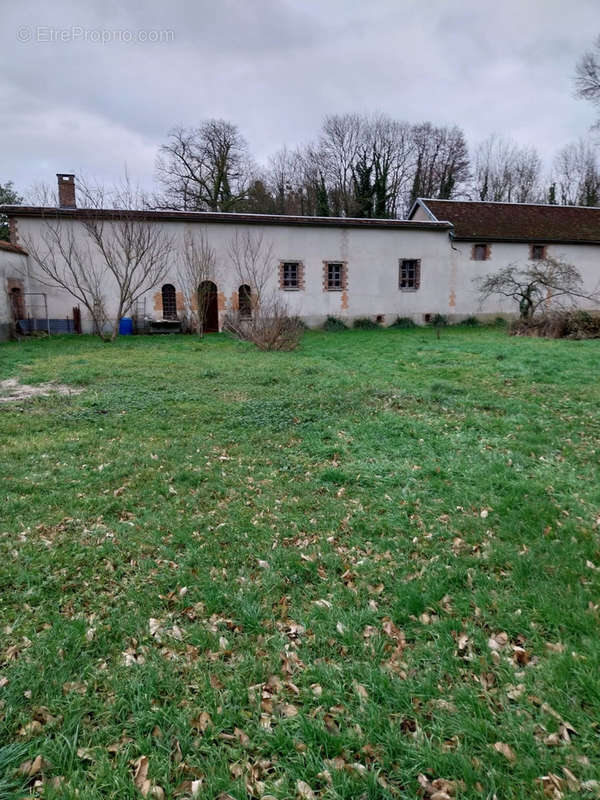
72	103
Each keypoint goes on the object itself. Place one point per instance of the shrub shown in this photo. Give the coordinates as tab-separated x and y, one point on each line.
404	322
439	321
269	329
559	325
365	324
469	322
334	324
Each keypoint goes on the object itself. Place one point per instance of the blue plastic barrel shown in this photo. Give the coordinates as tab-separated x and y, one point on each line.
125	326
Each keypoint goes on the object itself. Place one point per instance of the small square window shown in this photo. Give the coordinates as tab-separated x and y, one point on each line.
538	252
410	273
480	252
290	275
334	276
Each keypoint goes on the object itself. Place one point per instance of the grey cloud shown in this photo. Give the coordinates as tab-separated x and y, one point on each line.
275	67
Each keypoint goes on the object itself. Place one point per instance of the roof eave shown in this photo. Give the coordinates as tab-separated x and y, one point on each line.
223	217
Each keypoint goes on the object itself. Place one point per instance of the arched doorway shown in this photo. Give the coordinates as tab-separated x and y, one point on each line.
17	303
245	301
208	306
169	301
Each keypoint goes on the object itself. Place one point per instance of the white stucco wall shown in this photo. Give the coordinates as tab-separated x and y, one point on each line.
372	256
463	270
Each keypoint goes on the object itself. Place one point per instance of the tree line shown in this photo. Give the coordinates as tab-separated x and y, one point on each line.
364	166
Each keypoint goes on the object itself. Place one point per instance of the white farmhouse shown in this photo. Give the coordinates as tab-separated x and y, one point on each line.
321	266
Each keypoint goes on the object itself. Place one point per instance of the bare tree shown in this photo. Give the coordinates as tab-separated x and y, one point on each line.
134	250
266	321
66	261
106	258
196	266
441	161
576	174
587	76
505	172
205	168
543	283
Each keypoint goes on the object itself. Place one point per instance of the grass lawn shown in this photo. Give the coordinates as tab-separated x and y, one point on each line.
349	571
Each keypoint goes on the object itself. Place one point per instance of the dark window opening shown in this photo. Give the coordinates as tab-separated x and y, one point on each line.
410	273
380	318
538	252
291	275
426	317
480	252
245	301
335	276
169	301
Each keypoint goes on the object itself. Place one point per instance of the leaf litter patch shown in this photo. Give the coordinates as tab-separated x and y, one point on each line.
11	391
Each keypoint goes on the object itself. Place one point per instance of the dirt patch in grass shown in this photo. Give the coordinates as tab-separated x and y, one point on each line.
11	391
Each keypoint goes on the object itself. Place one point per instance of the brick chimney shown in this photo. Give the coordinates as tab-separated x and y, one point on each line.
66	190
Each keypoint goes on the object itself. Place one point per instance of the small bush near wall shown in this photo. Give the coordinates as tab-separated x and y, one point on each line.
559	325
404	322
365	324
469	322
277	331
334	324
439	321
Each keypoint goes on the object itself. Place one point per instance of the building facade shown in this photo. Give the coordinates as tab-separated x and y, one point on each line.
319	267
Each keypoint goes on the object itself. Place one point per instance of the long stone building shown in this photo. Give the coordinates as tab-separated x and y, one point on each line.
319	266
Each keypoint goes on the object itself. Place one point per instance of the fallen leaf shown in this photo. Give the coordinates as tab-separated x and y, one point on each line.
305	791
505	750
33	767
201	721
140	775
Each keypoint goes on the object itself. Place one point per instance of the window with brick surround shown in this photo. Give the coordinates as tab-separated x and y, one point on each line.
335	276
537	252
291	275
409	278
481	252
169	301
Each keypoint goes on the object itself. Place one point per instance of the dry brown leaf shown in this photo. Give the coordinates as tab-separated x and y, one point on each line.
33	767
242	737
552	786
498	641
201	721
506	750
31	728
74	686
360	691
305	791
140	775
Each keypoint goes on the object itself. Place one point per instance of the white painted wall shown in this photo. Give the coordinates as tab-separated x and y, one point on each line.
372	256
463	270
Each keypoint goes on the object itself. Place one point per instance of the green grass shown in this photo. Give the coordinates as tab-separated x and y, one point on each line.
433	493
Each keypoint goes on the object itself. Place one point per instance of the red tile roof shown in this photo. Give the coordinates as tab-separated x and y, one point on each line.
523	222
11	248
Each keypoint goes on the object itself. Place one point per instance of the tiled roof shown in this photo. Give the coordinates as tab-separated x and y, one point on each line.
474	220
